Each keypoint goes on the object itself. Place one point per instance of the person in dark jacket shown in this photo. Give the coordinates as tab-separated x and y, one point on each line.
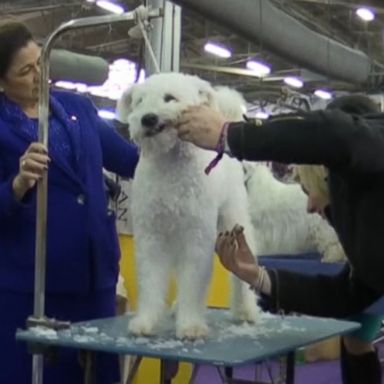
351	148
82	243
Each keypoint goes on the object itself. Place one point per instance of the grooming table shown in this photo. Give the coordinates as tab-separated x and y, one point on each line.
229	344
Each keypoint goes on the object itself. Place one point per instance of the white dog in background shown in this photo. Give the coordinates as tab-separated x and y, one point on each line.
177	209
282	224
278	210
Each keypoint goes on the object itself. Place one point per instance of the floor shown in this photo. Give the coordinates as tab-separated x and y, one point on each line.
325	372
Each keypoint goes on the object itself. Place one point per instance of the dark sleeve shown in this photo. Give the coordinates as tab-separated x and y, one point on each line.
331	138
8	204
336	296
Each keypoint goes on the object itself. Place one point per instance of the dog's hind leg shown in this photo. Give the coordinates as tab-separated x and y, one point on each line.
153	265
243	301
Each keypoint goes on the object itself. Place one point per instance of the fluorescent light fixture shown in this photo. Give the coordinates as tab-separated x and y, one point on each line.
325	95
99	91
365	14
258	68
81	87
105	114
65	84
109	6
293	82
217	50
91	1
261	115
123	64
122	74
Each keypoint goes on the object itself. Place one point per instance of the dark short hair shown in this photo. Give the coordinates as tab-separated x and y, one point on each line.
354	104
13	36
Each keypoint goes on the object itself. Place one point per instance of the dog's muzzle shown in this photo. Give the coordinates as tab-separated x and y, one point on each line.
151	124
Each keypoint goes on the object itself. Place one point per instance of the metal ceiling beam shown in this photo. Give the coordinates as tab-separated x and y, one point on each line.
231	71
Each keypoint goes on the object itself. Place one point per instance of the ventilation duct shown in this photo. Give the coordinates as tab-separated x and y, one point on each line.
78	68
282	34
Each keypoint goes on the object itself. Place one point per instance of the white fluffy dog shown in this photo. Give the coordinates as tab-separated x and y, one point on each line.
177	209
279	210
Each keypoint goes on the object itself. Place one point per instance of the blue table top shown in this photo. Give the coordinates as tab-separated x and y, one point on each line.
228	343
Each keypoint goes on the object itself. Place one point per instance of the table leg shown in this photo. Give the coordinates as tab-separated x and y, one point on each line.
133	370
89	369
168	370
290	378
228	371
195	371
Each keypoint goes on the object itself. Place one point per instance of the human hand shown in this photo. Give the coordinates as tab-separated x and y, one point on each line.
32	165
236	256
201	126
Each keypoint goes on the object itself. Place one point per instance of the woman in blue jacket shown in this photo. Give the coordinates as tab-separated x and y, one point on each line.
82	243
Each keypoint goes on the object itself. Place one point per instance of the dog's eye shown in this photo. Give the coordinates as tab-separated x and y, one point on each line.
138	101
168	98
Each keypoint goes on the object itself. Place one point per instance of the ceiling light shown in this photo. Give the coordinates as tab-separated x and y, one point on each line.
217	50
105	114
258	68
325	95
109	6
123	64
261	115
65	84
293	82
365	14
81	88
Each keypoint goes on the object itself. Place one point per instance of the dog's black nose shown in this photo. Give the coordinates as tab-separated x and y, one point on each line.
149	120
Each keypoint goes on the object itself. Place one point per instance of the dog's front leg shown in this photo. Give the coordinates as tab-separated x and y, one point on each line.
194	271
153	267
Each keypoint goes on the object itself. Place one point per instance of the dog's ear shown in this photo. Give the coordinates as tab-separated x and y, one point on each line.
124	105
207	94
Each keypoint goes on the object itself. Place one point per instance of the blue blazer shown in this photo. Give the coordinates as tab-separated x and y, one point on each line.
82	243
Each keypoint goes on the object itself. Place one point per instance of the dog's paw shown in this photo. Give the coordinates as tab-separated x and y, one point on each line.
142	326
250	313
333	254
192	331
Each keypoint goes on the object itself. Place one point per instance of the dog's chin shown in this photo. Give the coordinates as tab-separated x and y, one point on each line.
154	131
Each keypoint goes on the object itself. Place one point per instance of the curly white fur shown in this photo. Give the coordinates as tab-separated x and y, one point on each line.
282	224
177	210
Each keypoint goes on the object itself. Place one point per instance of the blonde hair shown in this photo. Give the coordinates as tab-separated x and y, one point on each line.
313	178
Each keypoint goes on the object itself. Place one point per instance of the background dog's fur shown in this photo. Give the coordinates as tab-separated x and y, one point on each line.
177	209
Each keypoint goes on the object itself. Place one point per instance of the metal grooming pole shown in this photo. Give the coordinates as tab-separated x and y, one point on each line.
165	37
38	317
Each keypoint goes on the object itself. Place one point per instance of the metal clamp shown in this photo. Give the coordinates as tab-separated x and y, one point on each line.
45	322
